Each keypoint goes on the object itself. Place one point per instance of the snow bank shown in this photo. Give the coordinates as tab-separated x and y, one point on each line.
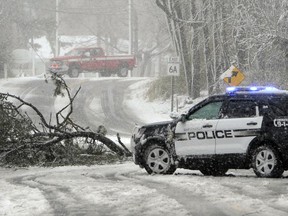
147	111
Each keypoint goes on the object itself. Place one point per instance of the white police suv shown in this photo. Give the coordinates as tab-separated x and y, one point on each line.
245	128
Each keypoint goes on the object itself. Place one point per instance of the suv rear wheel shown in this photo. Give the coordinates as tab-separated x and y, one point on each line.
158	160
266	162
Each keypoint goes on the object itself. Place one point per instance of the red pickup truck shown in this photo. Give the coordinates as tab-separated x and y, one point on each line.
80	60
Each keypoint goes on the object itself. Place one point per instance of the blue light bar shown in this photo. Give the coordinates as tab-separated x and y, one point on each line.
253	88
270	88
235	89
230	89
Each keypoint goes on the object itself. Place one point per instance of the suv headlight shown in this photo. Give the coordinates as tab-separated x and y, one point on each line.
140	133
137	132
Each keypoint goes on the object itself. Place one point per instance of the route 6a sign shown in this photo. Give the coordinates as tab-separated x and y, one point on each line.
173	68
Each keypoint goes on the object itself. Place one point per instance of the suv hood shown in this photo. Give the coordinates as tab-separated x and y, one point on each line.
157	124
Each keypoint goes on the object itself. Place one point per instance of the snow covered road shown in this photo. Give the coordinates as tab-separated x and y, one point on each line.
125	189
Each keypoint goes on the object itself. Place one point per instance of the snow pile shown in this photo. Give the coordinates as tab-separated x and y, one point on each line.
157	110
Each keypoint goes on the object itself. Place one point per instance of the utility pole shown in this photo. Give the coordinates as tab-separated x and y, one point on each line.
130	7
57	30
135	32
33	55
32	45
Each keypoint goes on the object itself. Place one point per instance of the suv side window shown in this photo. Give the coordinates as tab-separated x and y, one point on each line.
241	109
208	111
278	106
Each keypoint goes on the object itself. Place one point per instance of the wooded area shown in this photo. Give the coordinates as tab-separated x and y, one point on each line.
208	35
211	35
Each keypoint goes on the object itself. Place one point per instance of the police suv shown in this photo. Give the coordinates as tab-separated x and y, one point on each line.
247	127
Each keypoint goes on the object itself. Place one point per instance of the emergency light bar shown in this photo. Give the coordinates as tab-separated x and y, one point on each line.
251	89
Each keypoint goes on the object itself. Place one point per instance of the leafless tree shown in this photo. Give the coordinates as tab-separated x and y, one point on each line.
210	35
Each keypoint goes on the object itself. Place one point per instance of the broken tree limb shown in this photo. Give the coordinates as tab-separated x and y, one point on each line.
30	140
127	152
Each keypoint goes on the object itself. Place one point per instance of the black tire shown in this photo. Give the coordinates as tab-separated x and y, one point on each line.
213	170
73	72
266	162
157	159
123	71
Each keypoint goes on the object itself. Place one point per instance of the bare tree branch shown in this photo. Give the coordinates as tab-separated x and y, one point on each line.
28	138
162	4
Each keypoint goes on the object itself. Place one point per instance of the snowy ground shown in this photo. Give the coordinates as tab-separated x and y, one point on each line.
125	189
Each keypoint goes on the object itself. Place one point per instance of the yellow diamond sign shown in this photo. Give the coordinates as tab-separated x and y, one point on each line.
233	76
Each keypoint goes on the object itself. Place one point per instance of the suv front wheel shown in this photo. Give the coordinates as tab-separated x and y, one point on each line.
266	162
158	160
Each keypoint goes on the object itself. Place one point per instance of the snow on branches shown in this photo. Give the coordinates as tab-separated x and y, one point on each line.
23	143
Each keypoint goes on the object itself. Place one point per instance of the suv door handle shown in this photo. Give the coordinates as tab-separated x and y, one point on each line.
207	126
252	123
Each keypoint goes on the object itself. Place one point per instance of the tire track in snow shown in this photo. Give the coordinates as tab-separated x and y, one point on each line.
111	113
199	200
196	205
60	198
267	190
112	97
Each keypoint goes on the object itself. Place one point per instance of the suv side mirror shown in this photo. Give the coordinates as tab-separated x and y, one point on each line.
183	118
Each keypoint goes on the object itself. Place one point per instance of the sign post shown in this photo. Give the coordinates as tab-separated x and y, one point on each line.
173	70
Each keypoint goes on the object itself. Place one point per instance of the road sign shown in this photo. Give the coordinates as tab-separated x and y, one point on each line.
174	59
233	76
173	68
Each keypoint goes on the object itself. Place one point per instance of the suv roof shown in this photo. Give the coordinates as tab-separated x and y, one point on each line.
254	90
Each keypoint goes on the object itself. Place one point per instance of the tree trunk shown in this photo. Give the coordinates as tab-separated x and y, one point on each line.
184	50
207	50
196	60
216	49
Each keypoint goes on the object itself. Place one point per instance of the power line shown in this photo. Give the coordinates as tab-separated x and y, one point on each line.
83	12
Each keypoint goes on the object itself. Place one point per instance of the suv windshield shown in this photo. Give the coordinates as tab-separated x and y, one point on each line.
208	111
